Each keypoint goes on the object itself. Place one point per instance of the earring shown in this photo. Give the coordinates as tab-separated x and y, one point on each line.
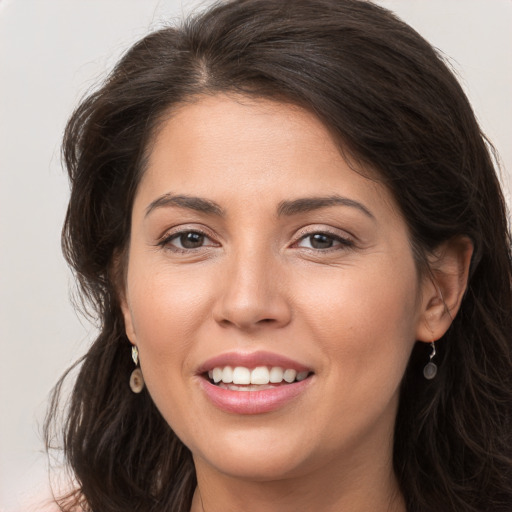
430	370
136	378
135	355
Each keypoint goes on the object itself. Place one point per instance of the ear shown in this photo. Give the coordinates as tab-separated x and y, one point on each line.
118	278
128	318
444	288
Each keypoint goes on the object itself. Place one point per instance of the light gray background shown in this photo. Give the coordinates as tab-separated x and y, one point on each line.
51	52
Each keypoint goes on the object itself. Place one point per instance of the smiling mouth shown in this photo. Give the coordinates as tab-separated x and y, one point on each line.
260	378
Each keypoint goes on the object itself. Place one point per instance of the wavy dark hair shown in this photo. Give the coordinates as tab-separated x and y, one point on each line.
393	105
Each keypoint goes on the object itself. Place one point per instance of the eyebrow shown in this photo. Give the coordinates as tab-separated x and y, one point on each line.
285	208
308	204
182	201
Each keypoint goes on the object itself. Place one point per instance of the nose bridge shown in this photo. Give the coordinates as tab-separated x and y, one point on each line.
252	295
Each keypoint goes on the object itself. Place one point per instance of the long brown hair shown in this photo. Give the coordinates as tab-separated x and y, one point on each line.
393	104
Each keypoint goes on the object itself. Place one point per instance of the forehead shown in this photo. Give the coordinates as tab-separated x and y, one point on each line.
234	145
239	125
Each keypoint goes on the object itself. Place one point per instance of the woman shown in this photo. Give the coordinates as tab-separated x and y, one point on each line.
288	223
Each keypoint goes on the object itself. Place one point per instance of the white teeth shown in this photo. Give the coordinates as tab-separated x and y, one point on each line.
289	375
276	375
250	387
301	375
259	376
241	375
217	375
227	375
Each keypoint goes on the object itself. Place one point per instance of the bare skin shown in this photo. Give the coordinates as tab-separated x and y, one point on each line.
251	234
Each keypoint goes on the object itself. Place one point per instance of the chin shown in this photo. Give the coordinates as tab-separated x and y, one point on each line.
256	459
258	469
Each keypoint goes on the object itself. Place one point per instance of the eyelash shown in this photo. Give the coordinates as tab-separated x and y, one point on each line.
166	241
342	242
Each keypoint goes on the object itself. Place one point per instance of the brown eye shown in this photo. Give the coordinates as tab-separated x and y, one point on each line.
187	241
191	240
323	241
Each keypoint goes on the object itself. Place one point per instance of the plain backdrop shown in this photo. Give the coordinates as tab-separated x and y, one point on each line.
51	53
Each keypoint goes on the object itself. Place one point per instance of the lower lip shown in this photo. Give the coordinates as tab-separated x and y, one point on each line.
253	402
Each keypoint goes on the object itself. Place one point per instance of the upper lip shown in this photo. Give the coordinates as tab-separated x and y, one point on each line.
251	360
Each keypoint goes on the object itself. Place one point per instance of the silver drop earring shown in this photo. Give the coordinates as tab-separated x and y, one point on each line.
136	378
430	370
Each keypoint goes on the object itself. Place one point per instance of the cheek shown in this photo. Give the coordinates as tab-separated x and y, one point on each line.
168	309
165	306
365	320
363	323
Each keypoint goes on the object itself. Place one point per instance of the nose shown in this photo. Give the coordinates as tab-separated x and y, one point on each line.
252	293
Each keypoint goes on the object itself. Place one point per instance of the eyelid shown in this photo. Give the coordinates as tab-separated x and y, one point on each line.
323	229
180	228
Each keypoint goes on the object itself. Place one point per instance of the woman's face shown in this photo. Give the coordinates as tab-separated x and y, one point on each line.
254	246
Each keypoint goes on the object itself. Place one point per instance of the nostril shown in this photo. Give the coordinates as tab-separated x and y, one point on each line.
246	323
250	309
